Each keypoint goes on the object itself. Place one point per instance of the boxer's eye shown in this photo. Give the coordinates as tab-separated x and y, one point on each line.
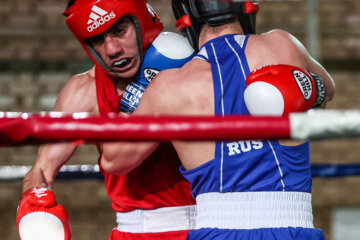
96	40
119	30
121	27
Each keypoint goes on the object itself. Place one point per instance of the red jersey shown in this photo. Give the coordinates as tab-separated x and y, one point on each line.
157	182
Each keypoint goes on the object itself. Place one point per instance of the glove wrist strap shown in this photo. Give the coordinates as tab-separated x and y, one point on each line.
320	91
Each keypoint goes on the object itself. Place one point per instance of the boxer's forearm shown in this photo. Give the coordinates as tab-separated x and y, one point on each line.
168	51
34	178
122	157
49	161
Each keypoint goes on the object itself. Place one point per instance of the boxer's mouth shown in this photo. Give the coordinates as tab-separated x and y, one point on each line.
121	63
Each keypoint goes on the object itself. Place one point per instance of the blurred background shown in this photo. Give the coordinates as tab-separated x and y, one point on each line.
38	55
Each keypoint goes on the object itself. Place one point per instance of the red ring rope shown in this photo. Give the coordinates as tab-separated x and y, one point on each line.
22	129
44	129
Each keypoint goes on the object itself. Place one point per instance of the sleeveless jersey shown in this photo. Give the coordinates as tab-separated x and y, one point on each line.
157	182
239	191
244	165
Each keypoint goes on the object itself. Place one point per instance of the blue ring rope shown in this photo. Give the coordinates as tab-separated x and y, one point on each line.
335	170
85	172
317	171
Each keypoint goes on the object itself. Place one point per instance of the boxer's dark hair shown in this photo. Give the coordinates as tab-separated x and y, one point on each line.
70	3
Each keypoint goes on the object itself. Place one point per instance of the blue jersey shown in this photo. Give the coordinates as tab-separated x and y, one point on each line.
246	165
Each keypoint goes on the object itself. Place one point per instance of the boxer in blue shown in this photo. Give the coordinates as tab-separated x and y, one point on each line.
244	189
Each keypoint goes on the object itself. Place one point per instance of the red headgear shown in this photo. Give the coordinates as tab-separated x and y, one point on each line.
88	18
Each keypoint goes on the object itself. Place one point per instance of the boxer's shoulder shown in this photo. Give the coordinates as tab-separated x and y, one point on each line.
78	94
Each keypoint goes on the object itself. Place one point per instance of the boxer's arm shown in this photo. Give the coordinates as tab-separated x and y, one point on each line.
318	69
313	66
297	55
38	213
121	157
284	48
168	51
49	160
78	95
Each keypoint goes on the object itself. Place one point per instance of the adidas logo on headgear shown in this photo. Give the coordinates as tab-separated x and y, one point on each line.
98	17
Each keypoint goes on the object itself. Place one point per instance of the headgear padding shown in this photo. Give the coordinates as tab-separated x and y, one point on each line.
89	18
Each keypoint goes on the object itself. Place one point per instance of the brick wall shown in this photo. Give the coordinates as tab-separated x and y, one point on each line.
39	54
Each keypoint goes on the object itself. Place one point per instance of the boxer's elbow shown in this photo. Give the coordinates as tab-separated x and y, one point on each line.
114	163
121	158
106	164
112	166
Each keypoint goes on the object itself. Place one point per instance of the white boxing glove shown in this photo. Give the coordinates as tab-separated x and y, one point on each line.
169	50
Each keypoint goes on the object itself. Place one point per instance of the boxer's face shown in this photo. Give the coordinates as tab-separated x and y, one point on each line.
119	49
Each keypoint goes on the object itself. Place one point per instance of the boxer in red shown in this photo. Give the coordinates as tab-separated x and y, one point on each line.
124	38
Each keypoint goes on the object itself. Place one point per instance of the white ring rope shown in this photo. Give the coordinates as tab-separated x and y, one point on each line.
324	124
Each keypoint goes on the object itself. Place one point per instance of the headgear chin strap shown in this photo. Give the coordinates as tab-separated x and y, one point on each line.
88	18
191	15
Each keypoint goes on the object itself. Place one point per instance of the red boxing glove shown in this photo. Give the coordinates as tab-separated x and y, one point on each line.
39	217
282	89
